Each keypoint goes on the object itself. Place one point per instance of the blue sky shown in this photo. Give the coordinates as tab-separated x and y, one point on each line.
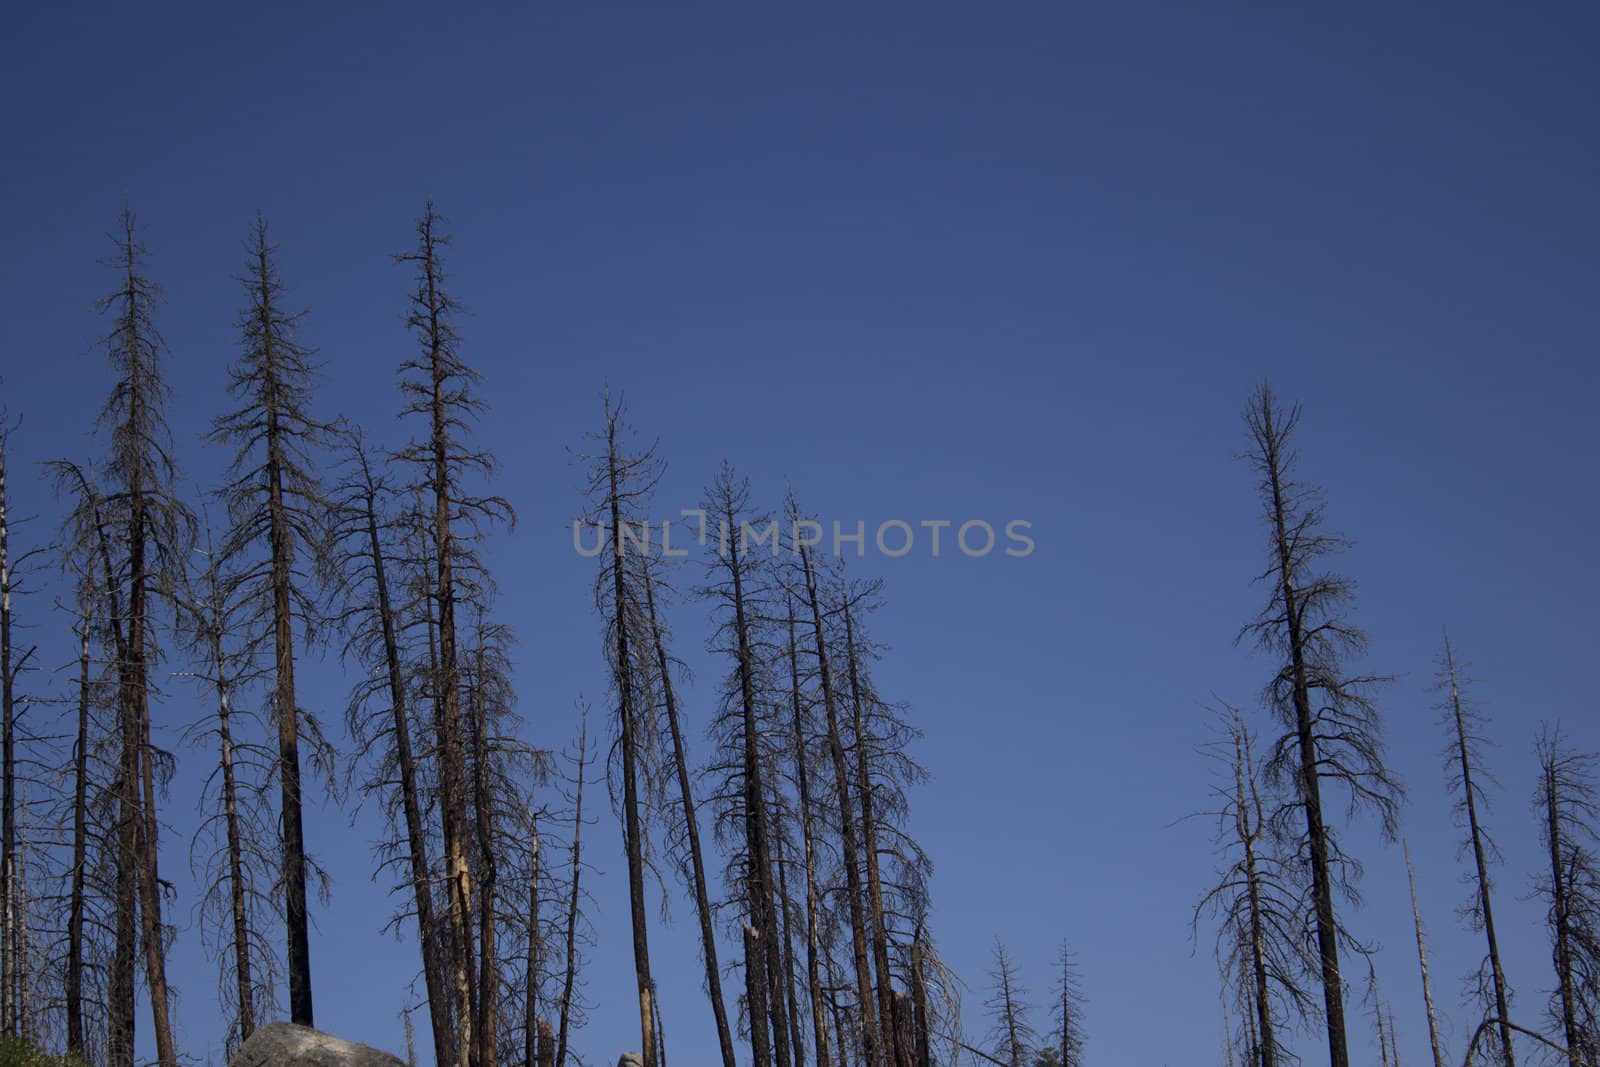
923	261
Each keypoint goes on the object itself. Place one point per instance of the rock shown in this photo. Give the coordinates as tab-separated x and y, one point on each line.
288	1045
630	1059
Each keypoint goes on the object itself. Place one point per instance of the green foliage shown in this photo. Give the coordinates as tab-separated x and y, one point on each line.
15	1052
1047	1057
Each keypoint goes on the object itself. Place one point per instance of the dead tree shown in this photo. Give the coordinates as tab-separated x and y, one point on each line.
568	1008
619	484
275	502
850	846
1331	724
439	389
152	530
802	747
738	587
1257	901
687	822
1011	1035
1422	964
10	928
1067	1034
233	849
380	716
1569	808
96	761
1465	776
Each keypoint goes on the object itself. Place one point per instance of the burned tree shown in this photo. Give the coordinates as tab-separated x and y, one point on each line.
1011	1035
1422	965
1465	776
738	587
1067	1035
380	716
439	387
1569	806
1331	726
619	483
1257	903
274	500
685	831
151	528
233	849
810	586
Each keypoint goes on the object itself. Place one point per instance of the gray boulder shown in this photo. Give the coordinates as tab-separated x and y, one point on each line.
630	1059
288	1045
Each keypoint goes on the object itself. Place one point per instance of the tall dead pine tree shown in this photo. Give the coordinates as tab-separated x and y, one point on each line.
153	528
843	789
688	829
380	711
1011	1034
275	502
1331	726
1568	801
439	389
1422	965
1465	775
618	483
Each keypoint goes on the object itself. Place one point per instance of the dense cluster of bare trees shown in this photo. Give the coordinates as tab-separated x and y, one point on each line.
1286	882
790	834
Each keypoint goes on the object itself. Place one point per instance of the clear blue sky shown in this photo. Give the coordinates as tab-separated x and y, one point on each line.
927	261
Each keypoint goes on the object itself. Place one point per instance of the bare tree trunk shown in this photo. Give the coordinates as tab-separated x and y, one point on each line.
80	849
1469	799
1422	963
755	994
869	841
708	942
531	1023
288	718
483	806
632	828
1560	912
819	1024
1310	780
758	851
245	989
434	972
919	1008
570	971
786	955
847	822
10	1006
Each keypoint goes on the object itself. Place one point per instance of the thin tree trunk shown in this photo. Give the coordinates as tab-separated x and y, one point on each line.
787	954
244	987
447	682
428	933
483	806
758	852
708	942
1561	906
847	824
1246	806
1310	783
819	1023
869	841
569	975
632	830
1502	1007
284	702
9	972
80	849
531	966
1422	963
